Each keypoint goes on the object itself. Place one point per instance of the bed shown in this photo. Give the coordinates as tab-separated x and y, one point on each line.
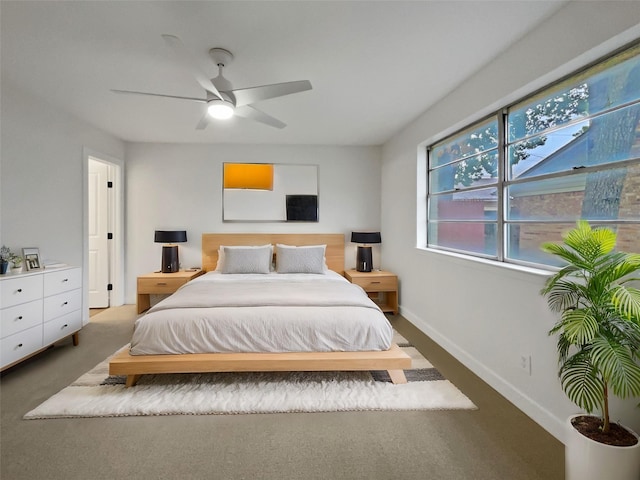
225	323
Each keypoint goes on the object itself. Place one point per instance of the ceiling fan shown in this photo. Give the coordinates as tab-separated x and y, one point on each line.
222	100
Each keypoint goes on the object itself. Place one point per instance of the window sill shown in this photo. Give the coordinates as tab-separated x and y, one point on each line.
471	260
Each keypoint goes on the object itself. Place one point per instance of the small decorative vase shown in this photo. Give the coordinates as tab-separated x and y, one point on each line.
3	267
16	269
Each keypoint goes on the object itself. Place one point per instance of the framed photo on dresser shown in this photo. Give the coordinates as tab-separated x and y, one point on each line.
31	257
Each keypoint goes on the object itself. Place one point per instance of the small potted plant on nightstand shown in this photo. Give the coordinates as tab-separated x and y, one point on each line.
5	256
598	349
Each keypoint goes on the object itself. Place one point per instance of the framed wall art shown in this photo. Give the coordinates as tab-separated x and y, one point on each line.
269	192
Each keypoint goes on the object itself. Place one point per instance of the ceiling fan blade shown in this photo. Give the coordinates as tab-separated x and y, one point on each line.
184	56
130	92
204	121
246	96
253	113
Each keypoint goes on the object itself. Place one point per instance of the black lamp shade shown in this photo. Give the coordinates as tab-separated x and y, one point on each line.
366	237
170	236
170	262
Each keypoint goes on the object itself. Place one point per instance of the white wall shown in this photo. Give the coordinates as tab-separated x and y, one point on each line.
487	315
42	183
179	186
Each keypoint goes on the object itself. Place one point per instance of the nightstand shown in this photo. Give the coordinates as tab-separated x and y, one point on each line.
381	286
161	284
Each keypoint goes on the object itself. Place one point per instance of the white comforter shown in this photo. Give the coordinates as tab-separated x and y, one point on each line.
263	313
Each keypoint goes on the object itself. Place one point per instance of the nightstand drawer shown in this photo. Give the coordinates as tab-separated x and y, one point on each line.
376	284
160	285
381	286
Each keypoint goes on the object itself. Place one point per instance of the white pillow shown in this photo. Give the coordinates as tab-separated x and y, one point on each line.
221	248
305	259
247	260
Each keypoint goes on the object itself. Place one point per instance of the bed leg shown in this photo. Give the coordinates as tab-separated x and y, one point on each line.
397	376
132	380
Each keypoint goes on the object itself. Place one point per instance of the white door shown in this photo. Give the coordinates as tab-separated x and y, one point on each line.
98	230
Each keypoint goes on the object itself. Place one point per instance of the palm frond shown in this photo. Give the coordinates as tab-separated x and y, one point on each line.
617	367
576	237
630	263
581	383
562	295
604	239
626	301
590	244
569	256
563	349
625	332
580	326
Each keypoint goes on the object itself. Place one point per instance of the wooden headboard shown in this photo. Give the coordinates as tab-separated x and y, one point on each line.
334	242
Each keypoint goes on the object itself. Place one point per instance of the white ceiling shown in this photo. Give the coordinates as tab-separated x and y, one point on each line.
374	65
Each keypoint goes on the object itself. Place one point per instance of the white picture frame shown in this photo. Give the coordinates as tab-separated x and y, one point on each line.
32	259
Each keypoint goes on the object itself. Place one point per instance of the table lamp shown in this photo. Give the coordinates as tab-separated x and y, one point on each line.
364	259
170	262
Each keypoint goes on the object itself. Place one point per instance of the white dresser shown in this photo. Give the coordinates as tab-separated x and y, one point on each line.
37	309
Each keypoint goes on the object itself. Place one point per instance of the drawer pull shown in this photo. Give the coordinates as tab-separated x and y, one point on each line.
19	345
19	290
19	318
375	282
65	303
65	280
161	283
65	325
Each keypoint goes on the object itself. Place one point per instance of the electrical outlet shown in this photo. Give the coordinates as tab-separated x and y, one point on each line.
525	363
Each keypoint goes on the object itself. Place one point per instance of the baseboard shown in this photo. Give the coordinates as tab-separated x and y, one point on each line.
528	406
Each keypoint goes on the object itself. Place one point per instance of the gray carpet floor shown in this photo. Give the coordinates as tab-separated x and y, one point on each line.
497	441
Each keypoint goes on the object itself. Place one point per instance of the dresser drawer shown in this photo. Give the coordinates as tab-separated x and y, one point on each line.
160	285
20	317
376	284
21	289
62	304
61	327
14	347
59	281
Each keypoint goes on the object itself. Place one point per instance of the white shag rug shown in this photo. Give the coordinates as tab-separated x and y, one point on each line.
96	394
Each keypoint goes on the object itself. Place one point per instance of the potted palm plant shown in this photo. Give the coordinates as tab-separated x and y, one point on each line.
598	348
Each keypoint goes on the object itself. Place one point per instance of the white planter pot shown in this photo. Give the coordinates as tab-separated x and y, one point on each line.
586	459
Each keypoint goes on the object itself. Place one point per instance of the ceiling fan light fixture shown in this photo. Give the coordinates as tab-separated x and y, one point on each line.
220	109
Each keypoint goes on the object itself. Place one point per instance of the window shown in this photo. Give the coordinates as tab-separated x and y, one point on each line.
504	185
463	191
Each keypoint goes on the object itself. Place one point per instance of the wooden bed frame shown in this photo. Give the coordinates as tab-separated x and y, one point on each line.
393	360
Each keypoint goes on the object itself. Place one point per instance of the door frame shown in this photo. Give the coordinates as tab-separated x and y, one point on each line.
116	259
